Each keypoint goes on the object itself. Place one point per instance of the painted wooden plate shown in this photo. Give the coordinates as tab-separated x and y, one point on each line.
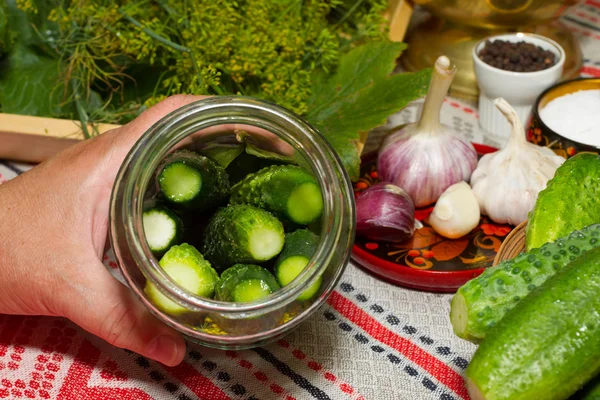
428	261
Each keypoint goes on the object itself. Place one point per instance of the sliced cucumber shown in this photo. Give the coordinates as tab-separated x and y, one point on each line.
547	346
188	180
242	234
244	283
188	268
290	192
298	250
162	228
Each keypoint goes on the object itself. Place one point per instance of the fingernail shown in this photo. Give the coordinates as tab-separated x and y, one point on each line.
163	349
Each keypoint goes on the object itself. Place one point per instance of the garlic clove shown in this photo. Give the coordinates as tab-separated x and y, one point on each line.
456	212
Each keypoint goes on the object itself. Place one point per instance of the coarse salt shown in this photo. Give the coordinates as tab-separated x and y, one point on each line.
575	116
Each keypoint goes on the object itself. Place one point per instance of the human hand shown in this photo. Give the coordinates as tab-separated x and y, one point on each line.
53	229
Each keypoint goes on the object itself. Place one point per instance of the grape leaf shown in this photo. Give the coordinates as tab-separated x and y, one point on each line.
29	79
222	154
360	96
28	83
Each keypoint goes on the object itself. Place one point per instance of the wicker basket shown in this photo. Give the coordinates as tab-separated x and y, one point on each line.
513	245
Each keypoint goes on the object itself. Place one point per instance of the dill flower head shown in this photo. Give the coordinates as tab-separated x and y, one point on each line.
263	48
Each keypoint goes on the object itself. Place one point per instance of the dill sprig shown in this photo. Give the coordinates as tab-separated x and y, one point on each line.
269	49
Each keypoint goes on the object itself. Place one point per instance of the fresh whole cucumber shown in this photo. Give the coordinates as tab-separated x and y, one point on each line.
244	283
299	248
568	202
548	346
242	234
190	270
288	191
482	302
190	181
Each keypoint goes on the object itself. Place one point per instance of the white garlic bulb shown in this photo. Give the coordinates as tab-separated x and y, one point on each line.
507	182
456	212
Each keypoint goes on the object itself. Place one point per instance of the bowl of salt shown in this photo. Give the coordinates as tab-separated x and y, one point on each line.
566	117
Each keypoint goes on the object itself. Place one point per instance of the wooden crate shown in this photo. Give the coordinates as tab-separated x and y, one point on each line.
35	139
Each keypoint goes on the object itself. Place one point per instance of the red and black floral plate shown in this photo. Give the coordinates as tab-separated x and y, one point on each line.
428	261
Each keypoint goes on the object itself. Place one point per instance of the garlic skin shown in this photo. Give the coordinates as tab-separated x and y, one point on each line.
427	157
456	212
508	181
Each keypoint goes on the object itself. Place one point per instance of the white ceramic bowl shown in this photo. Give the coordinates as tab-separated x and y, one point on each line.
519	89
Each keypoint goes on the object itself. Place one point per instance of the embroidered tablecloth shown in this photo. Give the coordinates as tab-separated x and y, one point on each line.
372	340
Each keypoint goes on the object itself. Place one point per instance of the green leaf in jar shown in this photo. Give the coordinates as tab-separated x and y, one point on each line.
360	96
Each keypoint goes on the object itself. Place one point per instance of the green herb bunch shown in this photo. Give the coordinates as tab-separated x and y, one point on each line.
262	48
103	60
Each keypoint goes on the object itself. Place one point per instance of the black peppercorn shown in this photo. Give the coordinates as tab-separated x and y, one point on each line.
516	56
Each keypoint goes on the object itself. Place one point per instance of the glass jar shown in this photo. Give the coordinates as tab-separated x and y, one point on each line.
267	127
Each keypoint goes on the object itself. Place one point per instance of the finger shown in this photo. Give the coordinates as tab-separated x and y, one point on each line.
120	141
108	309
128	134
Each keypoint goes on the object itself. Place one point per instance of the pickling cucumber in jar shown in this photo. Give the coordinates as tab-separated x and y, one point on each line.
243	283
190	181
188	268
288	191
163	228
242	234
299	248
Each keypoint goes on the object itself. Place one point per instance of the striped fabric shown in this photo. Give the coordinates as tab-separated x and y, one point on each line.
372	340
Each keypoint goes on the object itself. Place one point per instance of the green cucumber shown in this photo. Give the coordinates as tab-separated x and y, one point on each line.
188	268
162	228
299	248
288	191
568	202
548	346
482	302
242	234
244	283
246	164
190	181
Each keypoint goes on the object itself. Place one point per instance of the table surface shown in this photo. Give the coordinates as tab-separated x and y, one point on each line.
372	340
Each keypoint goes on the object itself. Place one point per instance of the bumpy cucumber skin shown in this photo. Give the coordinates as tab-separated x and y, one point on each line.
215	187
302	242
298	243
226	235
568	203
491	295
246	164
270	189
187	255
548	346
238	273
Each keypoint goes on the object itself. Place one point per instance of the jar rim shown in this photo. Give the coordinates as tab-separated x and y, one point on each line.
176	126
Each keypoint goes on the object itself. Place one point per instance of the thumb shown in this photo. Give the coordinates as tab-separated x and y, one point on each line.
108	309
